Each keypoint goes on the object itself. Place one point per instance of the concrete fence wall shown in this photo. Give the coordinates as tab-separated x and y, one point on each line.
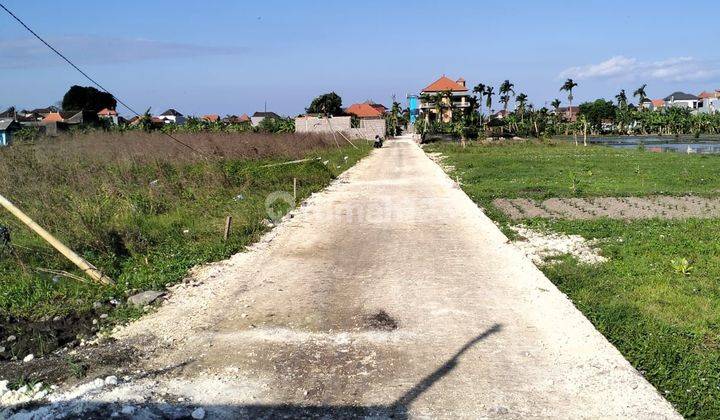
368	128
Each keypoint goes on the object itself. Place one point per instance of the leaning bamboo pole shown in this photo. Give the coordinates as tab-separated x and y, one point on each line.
79	261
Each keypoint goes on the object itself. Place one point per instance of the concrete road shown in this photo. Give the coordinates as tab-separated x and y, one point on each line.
390	293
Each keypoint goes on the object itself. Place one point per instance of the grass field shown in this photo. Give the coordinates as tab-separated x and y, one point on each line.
142	209
666	322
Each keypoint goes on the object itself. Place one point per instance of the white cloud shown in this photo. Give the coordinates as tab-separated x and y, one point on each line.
676	69
29	52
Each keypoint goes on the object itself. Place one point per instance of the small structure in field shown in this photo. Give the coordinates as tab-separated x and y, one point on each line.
171	116
7	127
258	117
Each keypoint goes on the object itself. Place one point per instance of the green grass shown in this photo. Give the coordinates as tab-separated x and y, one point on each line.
667	324
143	222
542	170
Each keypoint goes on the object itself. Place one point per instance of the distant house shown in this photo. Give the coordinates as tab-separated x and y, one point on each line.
501	114
234	119
568	113
657	104
681	99
709	102
172	116
257	117
8	113
55	122
109	115
366	110
42	112
380	107
211	118
71	117
7	127
457	99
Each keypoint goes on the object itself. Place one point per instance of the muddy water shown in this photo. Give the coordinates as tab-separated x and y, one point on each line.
682	144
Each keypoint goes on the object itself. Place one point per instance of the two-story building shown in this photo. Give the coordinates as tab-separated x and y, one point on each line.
709	102
443	97
681	99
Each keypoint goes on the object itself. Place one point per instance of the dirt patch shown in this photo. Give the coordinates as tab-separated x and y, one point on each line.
381	321
625	208
72	365
542	247
21	337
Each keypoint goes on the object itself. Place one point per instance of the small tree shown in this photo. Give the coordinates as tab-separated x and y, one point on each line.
328	104
79	98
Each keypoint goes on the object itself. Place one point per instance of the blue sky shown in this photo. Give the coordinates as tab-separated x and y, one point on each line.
229	57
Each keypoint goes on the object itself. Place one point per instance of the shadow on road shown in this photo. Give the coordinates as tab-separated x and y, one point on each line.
399	409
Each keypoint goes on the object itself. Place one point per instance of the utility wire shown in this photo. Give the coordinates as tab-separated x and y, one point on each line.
93	81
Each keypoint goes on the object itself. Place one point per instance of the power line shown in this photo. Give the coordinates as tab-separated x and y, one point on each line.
93	81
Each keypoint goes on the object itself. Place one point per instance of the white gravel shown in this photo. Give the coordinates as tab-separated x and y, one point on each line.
541	247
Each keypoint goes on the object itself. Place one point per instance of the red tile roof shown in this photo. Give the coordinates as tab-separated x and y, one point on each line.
364	111
244	118
657	103
211	118
53	117
445	83
706	94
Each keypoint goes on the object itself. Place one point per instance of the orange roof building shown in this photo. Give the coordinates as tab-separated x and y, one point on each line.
658	103
456	101
364	110
446	84
211	118
53	117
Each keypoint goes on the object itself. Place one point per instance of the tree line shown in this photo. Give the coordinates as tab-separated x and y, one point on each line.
597	117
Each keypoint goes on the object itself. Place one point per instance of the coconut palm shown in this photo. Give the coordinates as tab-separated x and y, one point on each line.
506	88
568	86
556	104
621	99
521	100
488	101
479	89
641	95
505	99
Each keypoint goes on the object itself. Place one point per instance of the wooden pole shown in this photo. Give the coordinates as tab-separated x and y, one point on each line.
228	223
79	261
295	189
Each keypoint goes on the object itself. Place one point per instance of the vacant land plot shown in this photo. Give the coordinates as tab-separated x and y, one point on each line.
656	295
144	210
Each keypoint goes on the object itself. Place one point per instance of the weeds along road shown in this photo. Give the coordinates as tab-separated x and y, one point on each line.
388	293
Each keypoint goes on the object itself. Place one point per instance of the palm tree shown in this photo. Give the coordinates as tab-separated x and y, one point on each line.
488	102
556	104
505	89
505	99
521	100
621	99
568	86
642	96
479	89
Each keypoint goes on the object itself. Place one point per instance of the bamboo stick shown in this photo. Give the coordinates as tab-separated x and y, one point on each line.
228	223
79	261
